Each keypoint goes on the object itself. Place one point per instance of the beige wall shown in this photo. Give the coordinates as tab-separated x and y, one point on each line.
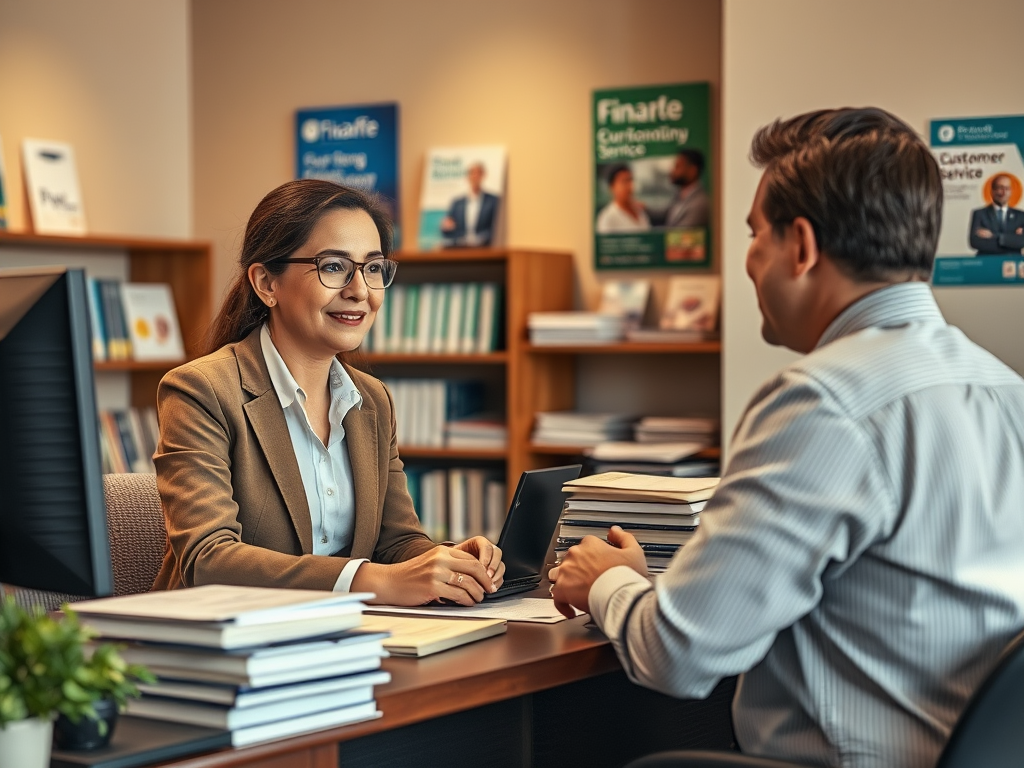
462	71
111	77
784	57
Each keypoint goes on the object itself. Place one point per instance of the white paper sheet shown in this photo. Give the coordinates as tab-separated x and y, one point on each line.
532	609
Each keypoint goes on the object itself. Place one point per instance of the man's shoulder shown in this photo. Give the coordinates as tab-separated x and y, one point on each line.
866	370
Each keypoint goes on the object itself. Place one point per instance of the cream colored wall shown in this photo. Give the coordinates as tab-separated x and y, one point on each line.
111	77
913	57
462	71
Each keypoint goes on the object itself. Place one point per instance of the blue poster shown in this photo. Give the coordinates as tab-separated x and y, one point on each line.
354	146
982	233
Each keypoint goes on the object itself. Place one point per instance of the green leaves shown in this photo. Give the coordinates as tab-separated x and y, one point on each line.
50	665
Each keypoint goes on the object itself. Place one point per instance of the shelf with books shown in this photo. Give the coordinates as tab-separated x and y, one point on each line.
184	265
516	384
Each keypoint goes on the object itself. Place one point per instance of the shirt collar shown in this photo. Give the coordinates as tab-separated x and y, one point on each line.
343	390
888	307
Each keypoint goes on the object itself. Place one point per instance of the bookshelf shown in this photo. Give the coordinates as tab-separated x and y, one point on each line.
184	264
684	354
518	384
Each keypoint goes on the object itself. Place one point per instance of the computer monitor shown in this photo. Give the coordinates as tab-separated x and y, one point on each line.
53	521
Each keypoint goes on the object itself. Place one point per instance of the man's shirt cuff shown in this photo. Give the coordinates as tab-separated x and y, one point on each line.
344	582
611	594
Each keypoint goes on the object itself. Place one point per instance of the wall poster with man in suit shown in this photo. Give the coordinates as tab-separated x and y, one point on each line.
982	237
652	177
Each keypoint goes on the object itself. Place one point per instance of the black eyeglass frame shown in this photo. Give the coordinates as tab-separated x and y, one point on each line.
359	266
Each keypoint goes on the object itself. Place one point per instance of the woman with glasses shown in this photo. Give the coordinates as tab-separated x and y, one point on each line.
277	463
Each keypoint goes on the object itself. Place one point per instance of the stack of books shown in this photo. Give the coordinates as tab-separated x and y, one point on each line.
477	431
261	663
128	439
670	459
458	502
661	512
673	429
424	406
556	328
573	428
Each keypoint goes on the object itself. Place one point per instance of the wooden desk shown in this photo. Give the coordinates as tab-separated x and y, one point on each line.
541	695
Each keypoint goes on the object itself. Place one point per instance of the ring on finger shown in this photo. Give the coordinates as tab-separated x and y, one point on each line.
459	580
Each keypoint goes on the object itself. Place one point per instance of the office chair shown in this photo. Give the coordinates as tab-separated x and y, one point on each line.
137	534
989	732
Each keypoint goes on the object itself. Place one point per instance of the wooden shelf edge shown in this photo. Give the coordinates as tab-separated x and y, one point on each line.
489	358
101	241
578	450
135	365
628	348
422	452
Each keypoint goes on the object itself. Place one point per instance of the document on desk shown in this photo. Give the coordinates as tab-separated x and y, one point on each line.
532	609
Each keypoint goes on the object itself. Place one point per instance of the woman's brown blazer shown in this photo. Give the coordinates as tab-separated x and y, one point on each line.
233	498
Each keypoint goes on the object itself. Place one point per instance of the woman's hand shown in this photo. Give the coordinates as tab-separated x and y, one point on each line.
449	573
489	556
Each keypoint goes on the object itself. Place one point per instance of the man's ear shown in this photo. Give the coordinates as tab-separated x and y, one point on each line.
807	253
263	283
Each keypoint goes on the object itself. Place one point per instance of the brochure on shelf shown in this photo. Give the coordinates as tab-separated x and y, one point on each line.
152	321
691	303
54	195
461	202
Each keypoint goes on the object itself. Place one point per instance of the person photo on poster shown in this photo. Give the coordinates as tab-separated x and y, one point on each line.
624	213
998	228
472	217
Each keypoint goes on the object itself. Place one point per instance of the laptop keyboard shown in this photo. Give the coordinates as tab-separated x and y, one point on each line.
511	586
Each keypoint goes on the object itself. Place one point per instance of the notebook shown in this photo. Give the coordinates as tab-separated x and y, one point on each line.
529	526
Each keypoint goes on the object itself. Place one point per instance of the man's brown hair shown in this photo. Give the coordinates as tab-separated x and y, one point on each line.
866	182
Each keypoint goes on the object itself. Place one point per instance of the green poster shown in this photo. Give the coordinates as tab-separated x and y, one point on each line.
652	177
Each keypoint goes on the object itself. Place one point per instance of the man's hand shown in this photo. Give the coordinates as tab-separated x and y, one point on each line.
982	232
489	556
583	563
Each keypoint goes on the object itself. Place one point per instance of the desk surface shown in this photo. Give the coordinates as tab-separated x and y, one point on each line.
527	659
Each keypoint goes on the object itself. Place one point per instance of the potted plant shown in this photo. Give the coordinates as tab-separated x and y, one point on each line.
47	672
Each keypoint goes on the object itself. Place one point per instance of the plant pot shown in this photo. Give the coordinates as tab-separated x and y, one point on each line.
87	733
26	743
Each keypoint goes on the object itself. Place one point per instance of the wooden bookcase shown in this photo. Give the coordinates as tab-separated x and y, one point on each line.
184	264
519	383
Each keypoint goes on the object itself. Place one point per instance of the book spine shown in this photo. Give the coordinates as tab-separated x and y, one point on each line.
395	319
425	317
439	325
455	302
99	335
410	316
470	318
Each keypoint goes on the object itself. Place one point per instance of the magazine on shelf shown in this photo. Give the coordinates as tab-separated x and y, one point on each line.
653	181
461	202
54	195
352	145
691	303
152	322
626	299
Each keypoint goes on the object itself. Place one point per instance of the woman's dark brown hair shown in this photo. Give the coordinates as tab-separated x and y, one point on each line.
279	226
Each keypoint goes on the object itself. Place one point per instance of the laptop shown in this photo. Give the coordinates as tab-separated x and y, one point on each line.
529	526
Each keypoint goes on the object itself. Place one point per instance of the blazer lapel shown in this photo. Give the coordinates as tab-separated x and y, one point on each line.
267	422
361	436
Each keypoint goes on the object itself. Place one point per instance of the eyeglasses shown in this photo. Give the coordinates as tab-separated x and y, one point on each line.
335	272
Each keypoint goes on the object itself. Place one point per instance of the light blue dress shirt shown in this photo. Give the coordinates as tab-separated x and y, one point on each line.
325	470
863	558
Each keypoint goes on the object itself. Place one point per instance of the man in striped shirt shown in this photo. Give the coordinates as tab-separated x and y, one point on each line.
861	564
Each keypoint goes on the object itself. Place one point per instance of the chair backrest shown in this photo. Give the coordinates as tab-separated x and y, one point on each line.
138	538
990	731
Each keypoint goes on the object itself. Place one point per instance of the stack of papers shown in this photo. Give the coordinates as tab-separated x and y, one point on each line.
661	512
554	328
261	663
572	428
422	635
